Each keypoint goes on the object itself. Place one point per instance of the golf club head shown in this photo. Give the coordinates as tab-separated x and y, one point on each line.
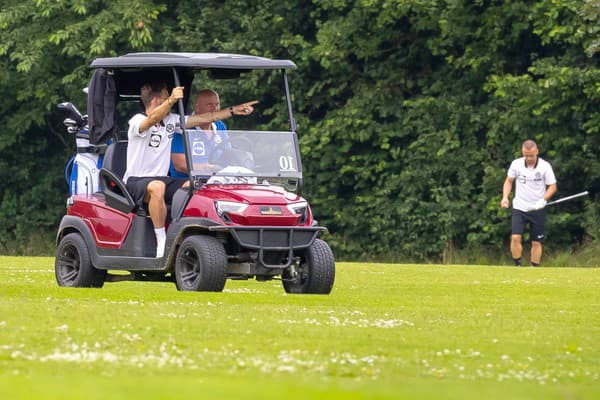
73	113
70	122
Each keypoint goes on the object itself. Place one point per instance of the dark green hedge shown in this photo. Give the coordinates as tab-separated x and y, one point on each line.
409	111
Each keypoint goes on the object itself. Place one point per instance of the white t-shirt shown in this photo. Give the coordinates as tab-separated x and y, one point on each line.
149	152
530	182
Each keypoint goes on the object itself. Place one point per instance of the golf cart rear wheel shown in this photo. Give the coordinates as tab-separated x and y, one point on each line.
73	266
201	265
316	272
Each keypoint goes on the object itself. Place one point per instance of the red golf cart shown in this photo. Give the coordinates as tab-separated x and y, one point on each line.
242	216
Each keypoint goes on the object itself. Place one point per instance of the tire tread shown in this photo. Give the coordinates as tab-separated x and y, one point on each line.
213	259
321	271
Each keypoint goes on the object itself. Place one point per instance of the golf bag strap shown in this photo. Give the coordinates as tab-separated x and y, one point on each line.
91	149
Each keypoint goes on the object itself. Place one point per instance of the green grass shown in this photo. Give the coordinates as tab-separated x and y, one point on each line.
386	331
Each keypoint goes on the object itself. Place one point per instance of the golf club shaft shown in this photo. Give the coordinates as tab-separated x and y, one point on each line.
568	198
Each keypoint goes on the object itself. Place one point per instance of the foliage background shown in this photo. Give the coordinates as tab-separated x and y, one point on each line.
409	111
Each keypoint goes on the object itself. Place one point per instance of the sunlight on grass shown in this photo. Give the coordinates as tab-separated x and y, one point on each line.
386	331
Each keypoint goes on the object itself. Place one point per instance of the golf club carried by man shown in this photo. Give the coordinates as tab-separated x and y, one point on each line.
535	185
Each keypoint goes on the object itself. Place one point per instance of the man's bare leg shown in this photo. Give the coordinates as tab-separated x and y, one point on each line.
536	253
155	197
516	248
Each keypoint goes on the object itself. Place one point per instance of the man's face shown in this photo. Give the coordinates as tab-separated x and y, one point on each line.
161	98
164	95
530	155
158	99
207	102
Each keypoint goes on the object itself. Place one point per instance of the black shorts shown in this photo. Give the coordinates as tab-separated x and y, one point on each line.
536	220
136	186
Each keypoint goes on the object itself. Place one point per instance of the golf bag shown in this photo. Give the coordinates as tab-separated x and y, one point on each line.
83	169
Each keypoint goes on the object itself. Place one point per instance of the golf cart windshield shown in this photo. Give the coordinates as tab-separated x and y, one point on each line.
237	157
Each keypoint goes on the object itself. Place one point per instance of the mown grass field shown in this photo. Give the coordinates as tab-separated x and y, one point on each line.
385	332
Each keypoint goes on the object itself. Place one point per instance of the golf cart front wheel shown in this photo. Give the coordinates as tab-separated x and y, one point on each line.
201	265
316	272
73	266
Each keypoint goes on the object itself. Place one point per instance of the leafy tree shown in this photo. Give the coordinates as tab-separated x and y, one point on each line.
45	47
409	111
417	141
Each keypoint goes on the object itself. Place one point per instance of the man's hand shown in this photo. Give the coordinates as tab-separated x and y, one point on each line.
504	203
541	203
176	94
245	108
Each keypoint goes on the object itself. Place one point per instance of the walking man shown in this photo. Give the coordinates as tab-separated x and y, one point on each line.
535	185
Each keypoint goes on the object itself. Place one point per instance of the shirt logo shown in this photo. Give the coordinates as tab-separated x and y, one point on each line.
170	128
155	140
198	149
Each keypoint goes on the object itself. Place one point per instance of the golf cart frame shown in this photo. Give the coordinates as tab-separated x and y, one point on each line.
275	237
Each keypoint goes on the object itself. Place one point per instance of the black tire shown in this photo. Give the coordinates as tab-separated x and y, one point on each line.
73	266
201	265
316	272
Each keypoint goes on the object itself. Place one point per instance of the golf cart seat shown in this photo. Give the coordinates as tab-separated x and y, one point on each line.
111	178
115	158
115	193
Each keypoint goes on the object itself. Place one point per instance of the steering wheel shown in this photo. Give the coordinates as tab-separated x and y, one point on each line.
236	142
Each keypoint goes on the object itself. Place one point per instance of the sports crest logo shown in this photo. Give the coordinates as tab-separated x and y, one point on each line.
198	149
155	140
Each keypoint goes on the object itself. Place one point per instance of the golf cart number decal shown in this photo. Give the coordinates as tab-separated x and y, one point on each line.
286	163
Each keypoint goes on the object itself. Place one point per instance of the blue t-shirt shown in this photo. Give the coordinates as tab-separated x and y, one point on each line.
201	147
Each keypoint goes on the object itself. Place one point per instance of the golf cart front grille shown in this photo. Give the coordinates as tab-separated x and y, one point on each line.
272	239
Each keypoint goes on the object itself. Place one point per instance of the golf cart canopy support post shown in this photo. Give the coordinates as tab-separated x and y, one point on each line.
180	106
288	99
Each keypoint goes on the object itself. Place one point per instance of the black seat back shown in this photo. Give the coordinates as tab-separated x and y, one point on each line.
180	200
115	158
111	178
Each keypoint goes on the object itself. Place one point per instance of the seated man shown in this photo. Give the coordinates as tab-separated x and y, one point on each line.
149	149
203	140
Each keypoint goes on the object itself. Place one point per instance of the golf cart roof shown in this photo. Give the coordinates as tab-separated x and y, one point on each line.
191	60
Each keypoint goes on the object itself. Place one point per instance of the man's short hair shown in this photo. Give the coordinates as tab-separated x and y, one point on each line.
529	145
150	90
203	92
